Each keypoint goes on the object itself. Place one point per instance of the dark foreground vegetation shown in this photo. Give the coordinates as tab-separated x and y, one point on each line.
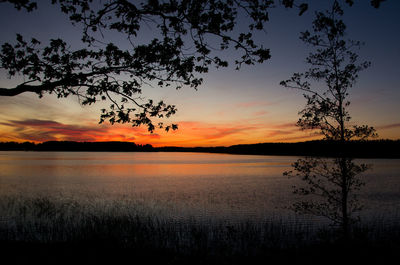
62	231
359	149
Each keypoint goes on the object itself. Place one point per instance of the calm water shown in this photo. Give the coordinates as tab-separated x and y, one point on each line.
181	184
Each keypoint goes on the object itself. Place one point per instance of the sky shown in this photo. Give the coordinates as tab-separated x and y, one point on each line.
231	107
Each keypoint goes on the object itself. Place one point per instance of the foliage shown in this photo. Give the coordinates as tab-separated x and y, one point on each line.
334	63
186	39
331	184
179	51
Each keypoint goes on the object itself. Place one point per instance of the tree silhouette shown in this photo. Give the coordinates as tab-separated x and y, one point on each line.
179	52
334	64
334	70
331	189
187	38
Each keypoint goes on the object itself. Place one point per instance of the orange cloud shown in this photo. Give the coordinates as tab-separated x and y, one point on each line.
286	125
47	130
190	133
260	113
210	131
299	138
193	133
256	103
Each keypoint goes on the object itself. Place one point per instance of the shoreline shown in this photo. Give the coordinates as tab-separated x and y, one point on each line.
320	148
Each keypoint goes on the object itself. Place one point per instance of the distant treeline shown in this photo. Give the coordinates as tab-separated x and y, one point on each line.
75	146
361	149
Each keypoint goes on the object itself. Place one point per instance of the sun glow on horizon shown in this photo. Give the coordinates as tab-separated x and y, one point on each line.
189	134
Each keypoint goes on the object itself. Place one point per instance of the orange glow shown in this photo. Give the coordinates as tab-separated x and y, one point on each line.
189	134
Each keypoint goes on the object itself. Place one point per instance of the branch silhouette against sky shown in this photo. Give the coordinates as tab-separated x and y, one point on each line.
329	186
133	78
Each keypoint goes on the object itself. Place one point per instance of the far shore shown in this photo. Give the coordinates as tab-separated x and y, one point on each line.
322	148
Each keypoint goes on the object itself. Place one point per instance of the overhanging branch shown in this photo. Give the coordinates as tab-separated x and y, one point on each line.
9	92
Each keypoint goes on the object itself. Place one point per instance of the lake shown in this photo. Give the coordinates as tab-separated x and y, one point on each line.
182	185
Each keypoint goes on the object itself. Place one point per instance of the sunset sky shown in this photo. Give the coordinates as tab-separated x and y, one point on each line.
231	107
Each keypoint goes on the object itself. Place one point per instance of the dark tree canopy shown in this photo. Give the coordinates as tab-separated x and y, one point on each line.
177	55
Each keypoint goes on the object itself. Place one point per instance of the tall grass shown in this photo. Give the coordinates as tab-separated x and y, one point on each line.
127	225
46	219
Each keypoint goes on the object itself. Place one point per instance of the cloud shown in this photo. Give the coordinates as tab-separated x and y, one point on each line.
190	133
47	130
388	126
213	131
31	122
257	103
216	133
284	129
273	133
250	104
195	133
149	135
285	125
300	137
260	113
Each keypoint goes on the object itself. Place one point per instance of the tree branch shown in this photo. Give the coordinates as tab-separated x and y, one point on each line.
9	92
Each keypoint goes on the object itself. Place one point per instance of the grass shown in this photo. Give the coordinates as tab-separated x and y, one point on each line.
64	231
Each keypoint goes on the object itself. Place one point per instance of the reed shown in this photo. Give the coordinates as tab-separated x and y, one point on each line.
123	225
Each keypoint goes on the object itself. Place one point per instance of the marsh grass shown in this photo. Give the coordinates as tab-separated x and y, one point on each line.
125	226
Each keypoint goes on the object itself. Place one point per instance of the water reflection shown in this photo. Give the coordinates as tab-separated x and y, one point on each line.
329	188
177	184
180	184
